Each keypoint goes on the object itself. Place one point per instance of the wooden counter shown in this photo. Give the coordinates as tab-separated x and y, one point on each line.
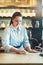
17	59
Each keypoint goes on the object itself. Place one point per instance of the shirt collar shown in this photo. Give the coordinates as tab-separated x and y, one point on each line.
19	27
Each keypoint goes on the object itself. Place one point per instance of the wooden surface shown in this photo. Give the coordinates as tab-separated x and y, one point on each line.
16	59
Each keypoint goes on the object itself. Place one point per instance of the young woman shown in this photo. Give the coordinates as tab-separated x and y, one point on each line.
15	38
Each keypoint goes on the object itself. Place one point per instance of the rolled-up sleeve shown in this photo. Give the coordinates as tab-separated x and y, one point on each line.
5	40
26	39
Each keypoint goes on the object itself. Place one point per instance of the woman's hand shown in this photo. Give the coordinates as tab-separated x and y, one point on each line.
30	50
18	51
33	51
21	52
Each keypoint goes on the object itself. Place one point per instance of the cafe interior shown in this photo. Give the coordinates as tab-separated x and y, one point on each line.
32	13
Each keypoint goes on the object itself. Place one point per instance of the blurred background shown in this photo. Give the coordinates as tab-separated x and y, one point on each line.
32	12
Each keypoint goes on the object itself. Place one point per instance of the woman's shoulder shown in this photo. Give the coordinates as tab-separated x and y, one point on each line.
7	29
22	27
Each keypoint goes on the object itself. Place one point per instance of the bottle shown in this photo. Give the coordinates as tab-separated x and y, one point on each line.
30	35
37	24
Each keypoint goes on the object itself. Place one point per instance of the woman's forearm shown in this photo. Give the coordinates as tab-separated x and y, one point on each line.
14	50
30	50
17	51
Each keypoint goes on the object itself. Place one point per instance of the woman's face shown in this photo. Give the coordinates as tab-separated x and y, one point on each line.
16	20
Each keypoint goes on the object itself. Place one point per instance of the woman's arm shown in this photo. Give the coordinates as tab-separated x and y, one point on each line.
30	50
27	43
12	49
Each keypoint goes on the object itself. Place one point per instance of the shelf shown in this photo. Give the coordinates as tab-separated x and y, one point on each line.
26	28
33	28
2	28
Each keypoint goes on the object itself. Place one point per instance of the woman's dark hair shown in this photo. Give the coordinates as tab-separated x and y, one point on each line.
14	15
